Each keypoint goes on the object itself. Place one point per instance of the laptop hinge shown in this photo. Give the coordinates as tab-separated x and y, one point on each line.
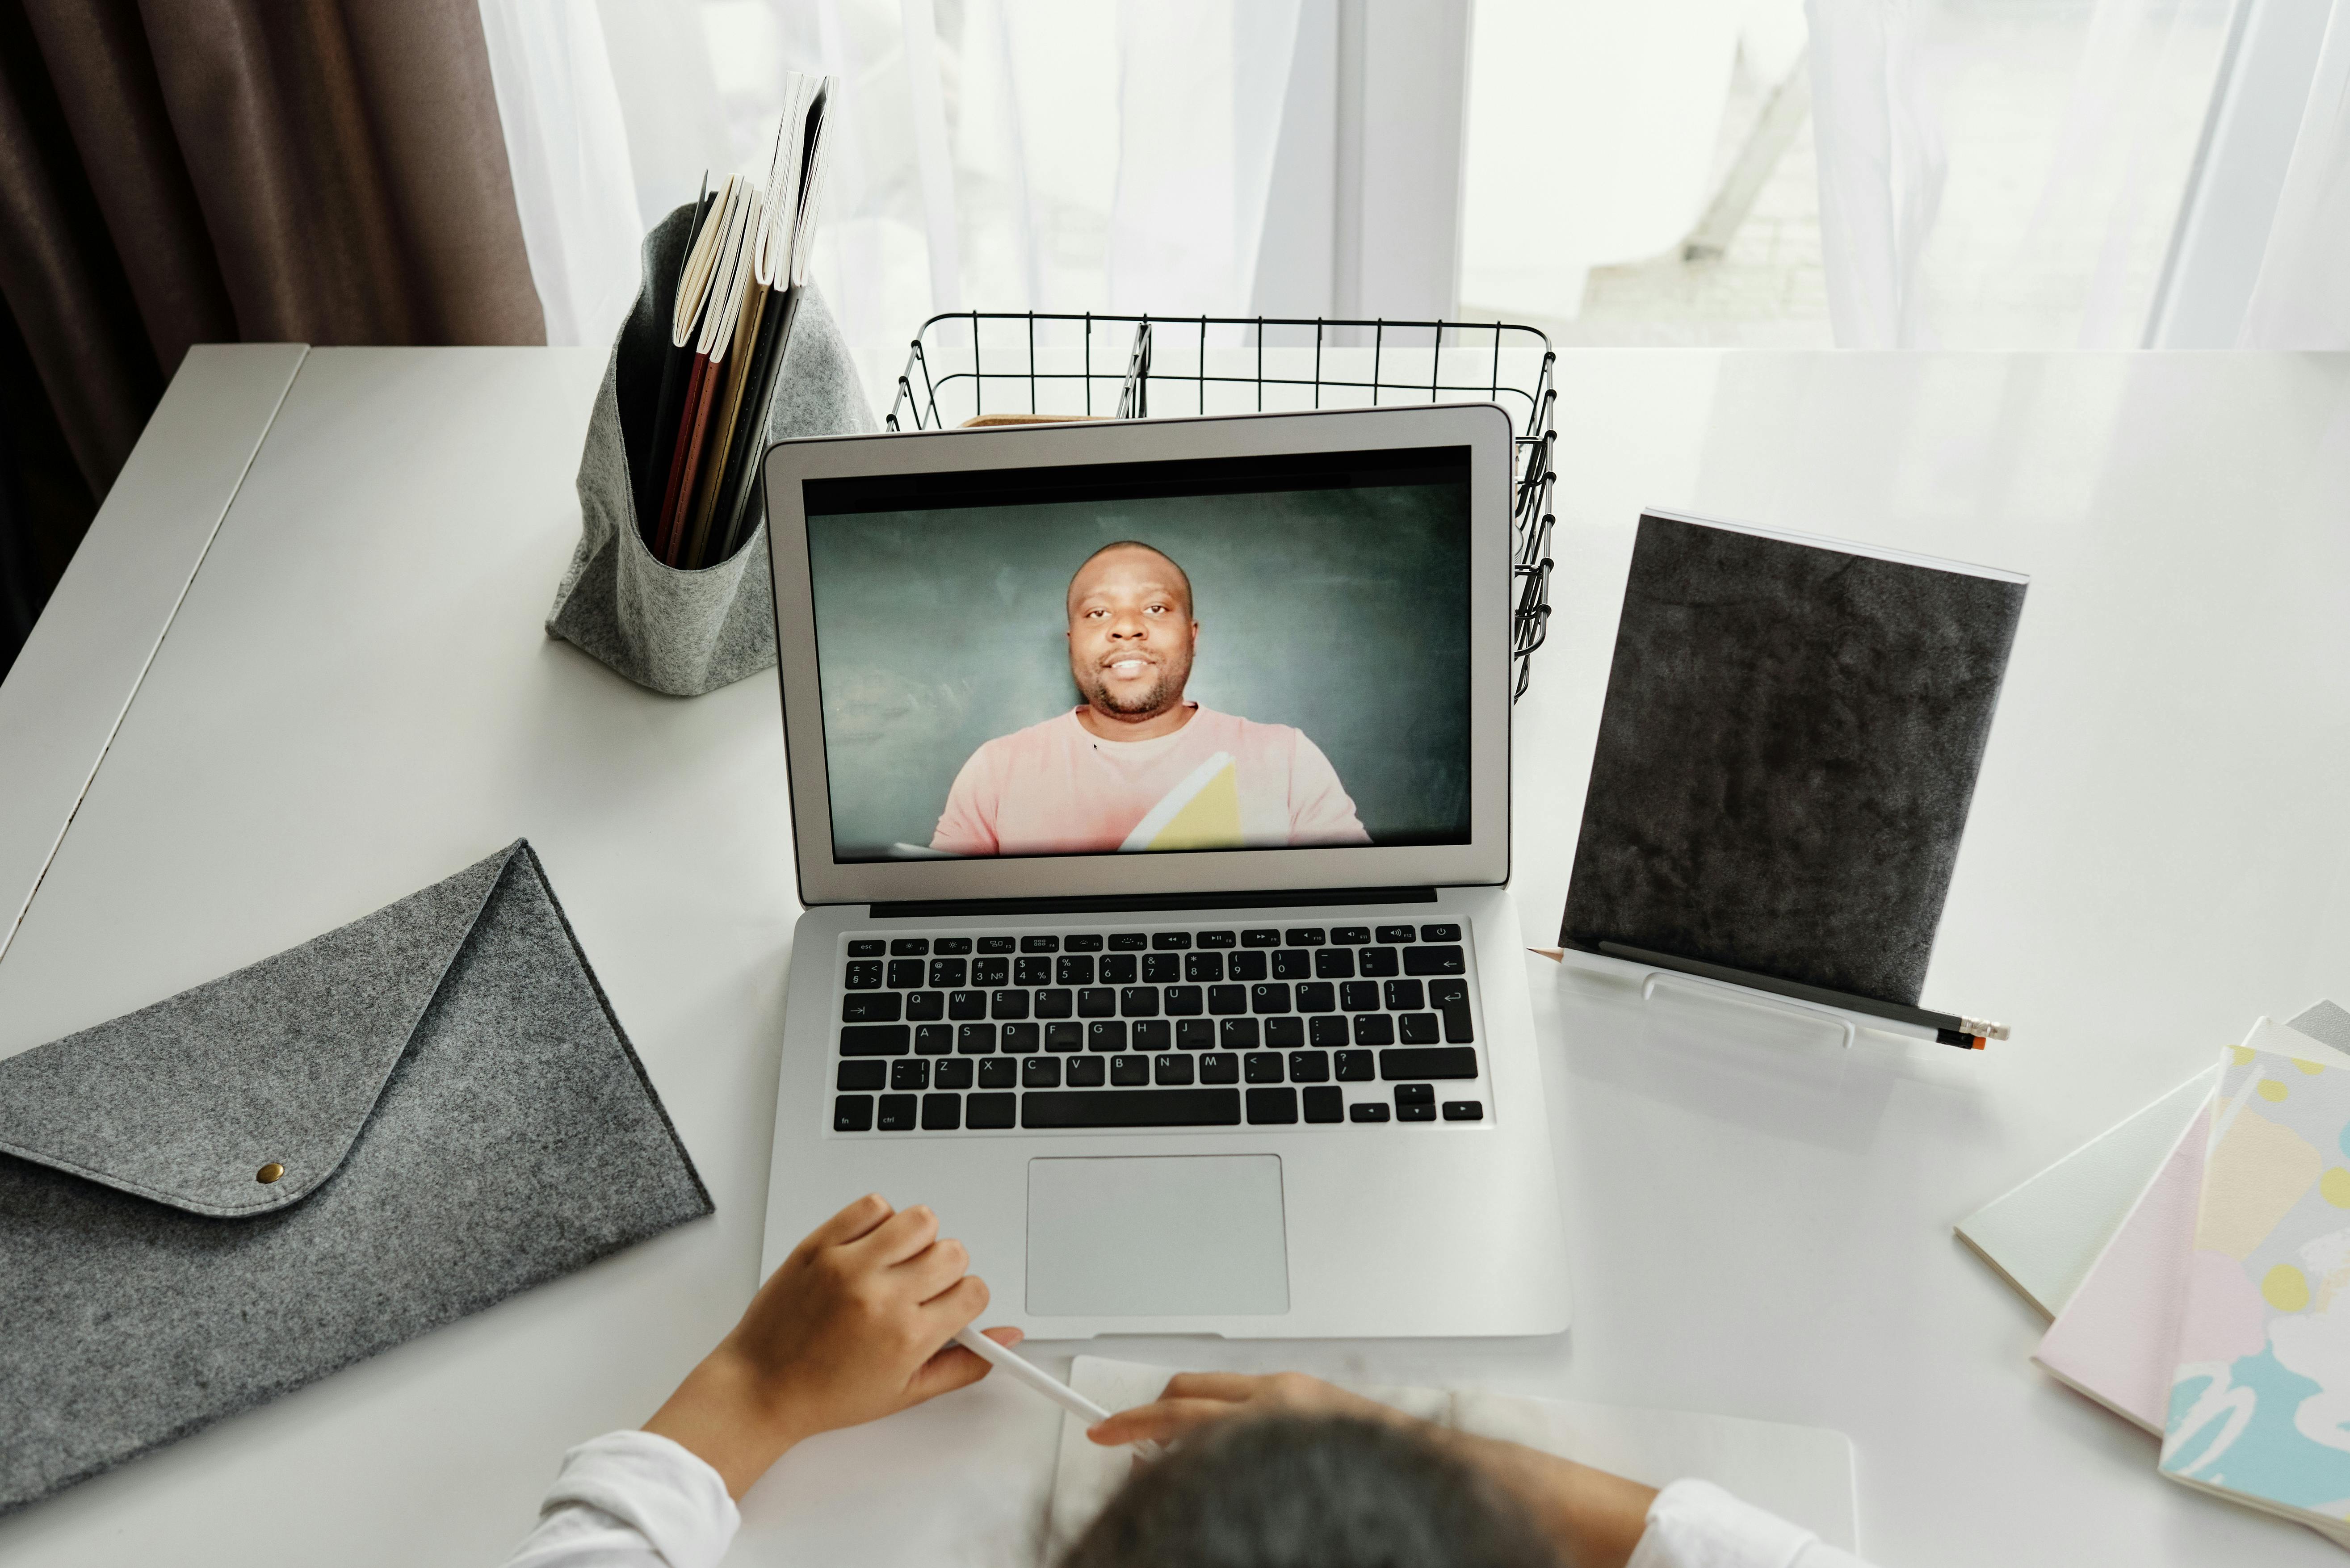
1107	903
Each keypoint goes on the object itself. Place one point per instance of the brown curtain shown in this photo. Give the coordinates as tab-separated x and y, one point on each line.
177	171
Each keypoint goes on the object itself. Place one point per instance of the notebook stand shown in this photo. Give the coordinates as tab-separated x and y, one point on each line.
1715	988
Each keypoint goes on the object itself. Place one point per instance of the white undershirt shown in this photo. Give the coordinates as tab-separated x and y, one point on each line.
631	1499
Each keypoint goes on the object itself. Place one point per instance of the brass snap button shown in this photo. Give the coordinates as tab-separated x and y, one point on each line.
269	1173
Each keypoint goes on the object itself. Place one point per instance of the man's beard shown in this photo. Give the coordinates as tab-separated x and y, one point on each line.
1161	693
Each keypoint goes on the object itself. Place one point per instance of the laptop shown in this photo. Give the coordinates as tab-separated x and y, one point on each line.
1149	786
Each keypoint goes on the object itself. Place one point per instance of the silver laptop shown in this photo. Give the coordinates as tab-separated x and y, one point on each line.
1150	796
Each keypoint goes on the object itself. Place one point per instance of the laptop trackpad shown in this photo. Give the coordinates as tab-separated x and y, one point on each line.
1157	1236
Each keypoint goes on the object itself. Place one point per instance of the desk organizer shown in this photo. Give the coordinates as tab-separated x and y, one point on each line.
993	365
684	632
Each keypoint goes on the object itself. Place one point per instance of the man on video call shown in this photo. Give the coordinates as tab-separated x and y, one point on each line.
1135	766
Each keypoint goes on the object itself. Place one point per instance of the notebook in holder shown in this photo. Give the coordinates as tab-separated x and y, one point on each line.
235	1192
1786	753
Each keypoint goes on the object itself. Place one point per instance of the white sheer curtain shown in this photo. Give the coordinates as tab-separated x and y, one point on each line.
2301	296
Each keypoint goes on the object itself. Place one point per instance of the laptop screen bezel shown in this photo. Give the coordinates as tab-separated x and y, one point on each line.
1484	859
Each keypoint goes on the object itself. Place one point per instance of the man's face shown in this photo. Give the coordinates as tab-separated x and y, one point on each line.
1130	633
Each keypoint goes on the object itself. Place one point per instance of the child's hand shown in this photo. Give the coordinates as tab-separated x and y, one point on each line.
1193	1399
849	1329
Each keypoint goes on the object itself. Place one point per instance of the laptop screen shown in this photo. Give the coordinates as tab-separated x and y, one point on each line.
1219	654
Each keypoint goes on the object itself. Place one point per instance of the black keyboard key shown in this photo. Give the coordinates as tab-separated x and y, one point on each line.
862	977
1130	1071
866	1074
1355	1068
1268	996
981	1112
975	1039
1119	968
1261	1066
933	1039
1137	1000
1220	1068
1310	1067
1272	1107
1317	996
1457	1030
1378	963
905	974
1129	942
1335	963
927	1005
951	945
1358	996
1040	944
1326	1032
1350	936
1415	1113
910	947
1367	1112
996	944
1374	1029
1173	1070
1325	1104
1464	1110
1292	964
962	1004
1022	1039
999	1073
1440	933
1260	938
1226	999
912	1073
1077	969
1418	1029
1152	1034
1215	939
1087	943
1444	993
1283	1033
897	1113
1415	1094
1396	934
1041	1073
1055	1003
866	947
1033	970
1305	935
1196	1033
1202	968
1404	996
953	1074
1109	1037
869	1007
1429	1062
874	1040
1183	1000
1162	969
1087	1072
942	1113
991	972
1245	966
852	1113
1098	1001
1435	961
1009	1002
1065	1037
1237	1034
1133	1108
1170	942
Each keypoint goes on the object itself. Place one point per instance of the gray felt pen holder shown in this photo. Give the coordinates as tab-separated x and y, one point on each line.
684	632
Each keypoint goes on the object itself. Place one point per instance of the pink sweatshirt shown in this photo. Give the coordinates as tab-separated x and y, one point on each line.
1218	782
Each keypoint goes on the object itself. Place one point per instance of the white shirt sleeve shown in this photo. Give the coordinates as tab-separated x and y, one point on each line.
631	1499
1696	1524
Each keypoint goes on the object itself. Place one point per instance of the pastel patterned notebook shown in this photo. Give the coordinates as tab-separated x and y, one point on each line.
2259	1402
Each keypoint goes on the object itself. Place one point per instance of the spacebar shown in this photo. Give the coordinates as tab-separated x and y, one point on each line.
1130	1108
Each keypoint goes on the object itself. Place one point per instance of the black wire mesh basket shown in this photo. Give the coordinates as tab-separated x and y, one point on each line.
1010	366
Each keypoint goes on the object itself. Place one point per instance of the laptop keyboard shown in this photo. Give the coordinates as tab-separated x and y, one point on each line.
1219	1026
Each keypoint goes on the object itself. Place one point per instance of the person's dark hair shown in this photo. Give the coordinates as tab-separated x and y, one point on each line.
1191	605
1287	1491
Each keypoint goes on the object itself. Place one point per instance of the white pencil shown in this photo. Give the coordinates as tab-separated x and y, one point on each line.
1044	1382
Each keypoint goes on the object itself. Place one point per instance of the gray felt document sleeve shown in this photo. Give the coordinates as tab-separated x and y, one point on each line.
216	1200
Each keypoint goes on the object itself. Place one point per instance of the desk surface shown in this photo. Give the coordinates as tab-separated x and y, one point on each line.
355	698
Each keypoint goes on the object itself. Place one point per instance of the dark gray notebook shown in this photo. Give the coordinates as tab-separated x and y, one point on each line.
219	1198
1786	753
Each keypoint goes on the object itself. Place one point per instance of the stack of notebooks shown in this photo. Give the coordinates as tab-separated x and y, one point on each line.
735	295
2213	1310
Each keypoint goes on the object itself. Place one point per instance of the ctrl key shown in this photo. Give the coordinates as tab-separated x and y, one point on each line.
852	1113
898	1112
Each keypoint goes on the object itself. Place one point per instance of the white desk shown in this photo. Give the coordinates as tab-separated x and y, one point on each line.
355	698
